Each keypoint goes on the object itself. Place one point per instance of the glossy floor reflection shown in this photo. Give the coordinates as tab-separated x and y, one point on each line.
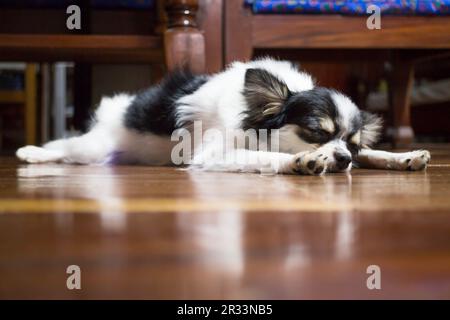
141	232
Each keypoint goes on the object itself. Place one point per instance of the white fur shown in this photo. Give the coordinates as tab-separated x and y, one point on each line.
107	135
346	109
376	159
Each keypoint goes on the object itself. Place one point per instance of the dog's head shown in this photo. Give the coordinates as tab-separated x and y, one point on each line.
322	118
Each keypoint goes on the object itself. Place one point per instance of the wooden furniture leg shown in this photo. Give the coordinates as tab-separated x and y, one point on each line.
46	85
184	43
210	20
401	85
238	32
30	104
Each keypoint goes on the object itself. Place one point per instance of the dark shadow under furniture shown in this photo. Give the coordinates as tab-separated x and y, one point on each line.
326	37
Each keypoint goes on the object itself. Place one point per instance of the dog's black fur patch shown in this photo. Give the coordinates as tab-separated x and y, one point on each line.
154	109
263	91
307	108
304	109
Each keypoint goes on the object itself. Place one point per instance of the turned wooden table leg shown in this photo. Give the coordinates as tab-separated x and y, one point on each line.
238	32
30	104
401	87
184	43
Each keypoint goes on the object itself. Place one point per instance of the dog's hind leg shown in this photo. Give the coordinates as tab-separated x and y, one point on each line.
376	159
93	147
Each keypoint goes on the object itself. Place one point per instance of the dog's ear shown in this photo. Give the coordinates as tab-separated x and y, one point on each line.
264	93
371	129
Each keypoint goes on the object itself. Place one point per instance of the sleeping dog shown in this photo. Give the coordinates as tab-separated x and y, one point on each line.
317	130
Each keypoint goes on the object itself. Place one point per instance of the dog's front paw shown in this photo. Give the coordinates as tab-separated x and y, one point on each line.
415	160
310	163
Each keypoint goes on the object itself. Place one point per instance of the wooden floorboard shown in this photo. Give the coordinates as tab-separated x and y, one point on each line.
152	232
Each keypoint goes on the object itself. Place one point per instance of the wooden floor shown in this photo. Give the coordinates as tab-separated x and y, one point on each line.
142	232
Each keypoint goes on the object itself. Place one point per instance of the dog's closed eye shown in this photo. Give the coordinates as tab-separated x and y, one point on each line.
315	135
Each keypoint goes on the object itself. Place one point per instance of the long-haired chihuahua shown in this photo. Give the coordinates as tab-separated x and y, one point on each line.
317	130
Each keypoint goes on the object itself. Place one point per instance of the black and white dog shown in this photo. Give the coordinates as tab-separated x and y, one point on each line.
318	130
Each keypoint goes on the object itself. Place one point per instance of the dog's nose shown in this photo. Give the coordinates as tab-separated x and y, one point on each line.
342	160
